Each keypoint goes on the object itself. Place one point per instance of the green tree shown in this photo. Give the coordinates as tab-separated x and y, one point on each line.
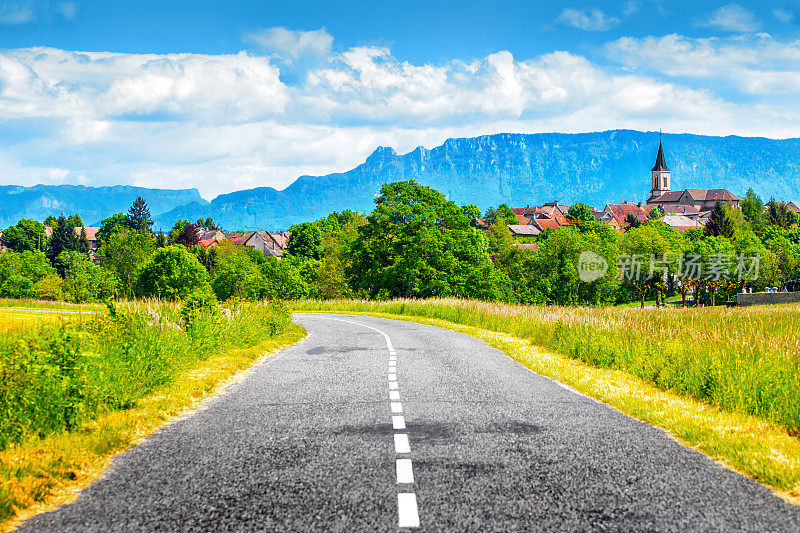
207	223
63	239
719	223
501	246
75	221
50	221
238	276
305	241
580	213
753	210
124	253
170	273
632	221
27	234
83	242
83	280
656	213
282	280
20	271
416	243
502	212
778	214
472	211
139	216
111	225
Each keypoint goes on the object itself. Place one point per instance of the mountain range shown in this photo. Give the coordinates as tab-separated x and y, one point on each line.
517	169
92	203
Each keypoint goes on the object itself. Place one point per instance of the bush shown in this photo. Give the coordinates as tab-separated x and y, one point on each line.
58	376
170	273
49	288
199	303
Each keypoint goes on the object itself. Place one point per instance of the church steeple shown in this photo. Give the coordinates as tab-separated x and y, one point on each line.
659	175
660	165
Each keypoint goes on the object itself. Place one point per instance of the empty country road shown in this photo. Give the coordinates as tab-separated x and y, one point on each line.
373	425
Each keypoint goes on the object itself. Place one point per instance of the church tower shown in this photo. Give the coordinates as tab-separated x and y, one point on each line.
659	175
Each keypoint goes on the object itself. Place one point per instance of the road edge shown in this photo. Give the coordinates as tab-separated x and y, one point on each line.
744	444
148	418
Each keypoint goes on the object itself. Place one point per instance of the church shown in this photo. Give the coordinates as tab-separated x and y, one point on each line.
694	203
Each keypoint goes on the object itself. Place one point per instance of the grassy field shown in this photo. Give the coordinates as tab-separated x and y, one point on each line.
6	303
77	391
726	381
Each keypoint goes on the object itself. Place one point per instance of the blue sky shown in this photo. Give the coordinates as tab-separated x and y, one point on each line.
224	96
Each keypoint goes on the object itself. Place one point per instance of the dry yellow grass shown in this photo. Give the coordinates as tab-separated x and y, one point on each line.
749	445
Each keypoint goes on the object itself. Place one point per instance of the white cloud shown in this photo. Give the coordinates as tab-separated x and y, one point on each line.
592	19
13	13
732	18
631	7
226	122
783	15
292	44
755	65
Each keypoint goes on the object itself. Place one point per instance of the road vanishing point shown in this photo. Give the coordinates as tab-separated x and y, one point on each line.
379	425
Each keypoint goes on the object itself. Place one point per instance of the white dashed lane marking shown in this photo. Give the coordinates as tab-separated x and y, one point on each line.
405	473
407	510
401	444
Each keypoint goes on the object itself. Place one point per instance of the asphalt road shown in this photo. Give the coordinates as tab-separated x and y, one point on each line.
312	440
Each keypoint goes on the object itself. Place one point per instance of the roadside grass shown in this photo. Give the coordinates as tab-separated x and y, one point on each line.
9	303
611	355
17	320
133	378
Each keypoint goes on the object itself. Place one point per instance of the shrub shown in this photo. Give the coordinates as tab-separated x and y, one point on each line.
49	288
170	273
200	302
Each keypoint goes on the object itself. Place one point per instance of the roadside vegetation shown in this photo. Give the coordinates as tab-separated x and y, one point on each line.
75	391
742	362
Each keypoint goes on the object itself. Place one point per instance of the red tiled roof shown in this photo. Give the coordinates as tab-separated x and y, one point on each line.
544	223
522	220
240	238
526	246
670	196
207	243
621	211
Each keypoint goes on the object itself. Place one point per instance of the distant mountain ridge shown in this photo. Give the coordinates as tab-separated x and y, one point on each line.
518	169
93	204
522	169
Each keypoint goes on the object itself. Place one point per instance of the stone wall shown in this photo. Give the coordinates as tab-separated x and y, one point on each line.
767	298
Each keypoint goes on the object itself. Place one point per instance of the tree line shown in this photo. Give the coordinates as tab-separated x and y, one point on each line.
415	243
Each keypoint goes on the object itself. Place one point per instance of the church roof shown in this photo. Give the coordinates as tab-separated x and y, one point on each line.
661	164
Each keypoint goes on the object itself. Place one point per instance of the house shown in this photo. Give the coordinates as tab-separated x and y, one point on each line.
615	214
3	247
210	237
271	245
681	222
661	193
545	223
524	230
793	206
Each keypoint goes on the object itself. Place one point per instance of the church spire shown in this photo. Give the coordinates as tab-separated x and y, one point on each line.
660	165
